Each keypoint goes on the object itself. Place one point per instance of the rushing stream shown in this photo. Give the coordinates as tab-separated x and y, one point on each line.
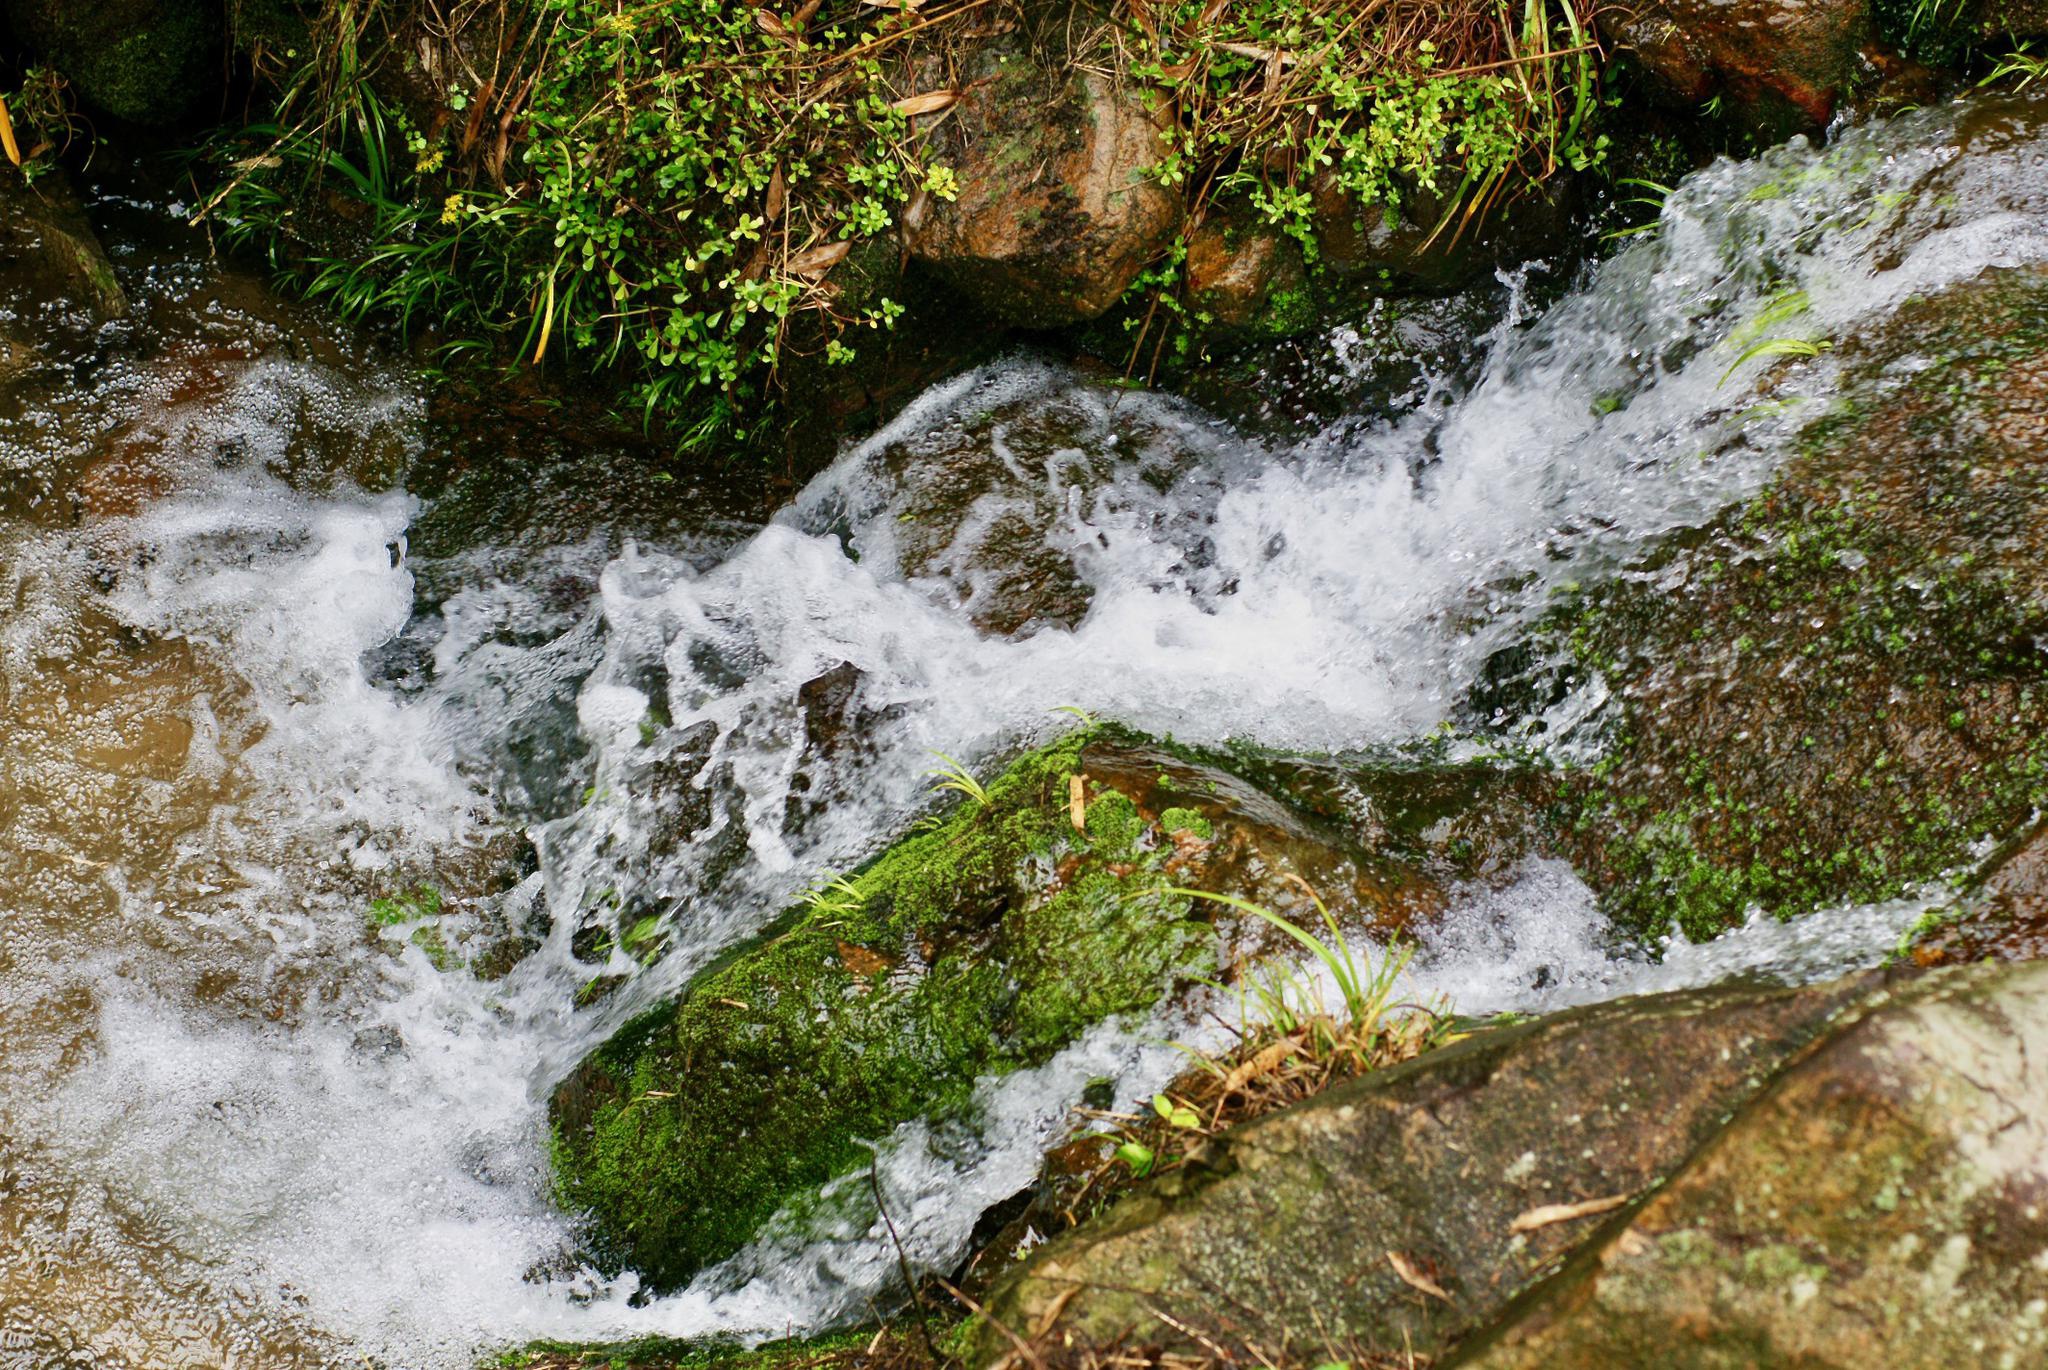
269	651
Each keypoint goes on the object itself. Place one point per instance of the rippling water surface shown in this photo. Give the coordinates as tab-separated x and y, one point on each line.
273	644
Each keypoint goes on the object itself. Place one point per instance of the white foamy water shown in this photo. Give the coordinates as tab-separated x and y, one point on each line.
239	1128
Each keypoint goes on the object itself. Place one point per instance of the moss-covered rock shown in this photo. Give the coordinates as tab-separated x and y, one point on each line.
1840	690
1395	1215
979	946
845	1349
146	61
973	948
1880	1205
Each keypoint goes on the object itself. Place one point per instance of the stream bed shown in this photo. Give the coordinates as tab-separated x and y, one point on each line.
277	642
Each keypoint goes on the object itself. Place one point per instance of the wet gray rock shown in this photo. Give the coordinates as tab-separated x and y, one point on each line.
1880	1205
1406	1210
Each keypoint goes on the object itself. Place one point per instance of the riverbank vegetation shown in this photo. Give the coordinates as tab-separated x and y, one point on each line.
690	197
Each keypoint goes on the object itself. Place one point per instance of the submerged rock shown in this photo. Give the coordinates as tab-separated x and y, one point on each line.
974	948
1400	1213
49	252
1058	210
1881	1204
1841	690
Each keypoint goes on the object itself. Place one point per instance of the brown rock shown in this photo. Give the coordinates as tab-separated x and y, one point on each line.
2005	918
1234	272
1880	1205
1782	63
1057	212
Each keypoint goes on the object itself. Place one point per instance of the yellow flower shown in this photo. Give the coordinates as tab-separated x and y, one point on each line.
430	161
451	208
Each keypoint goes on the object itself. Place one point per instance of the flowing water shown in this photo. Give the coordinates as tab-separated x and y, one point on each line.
272	647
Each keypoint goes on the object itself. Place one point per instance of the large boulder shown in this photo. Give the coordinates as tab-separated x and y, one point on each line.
146	61
1398	1214
1058	210
1840	690
968	950
1880	1205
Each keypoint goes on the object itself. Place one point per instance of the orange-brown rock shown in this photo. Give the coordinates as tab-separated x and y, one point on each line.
1782	63
1234	273
1057	211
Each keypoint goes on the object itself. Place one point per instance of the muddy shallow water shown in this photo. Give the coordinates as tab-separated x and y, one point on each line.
278	641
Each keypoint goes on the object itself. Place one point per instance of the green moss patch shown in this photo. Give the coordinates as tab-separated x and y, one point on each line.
667	1353
976	947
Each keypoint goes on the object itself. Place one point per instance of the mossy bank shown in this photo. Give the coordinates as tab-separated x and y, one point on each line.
1838	690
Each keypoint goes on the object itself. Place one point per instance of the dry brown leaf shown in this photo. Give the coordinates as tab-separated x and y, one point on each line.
912	217
1306	888
816	261
804	14
771	209
1564	1213
1077	801
894	4
479	106
1414	1278
773	27
931	102
1267	1059
1262	54
757	262
7	135
1211	12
